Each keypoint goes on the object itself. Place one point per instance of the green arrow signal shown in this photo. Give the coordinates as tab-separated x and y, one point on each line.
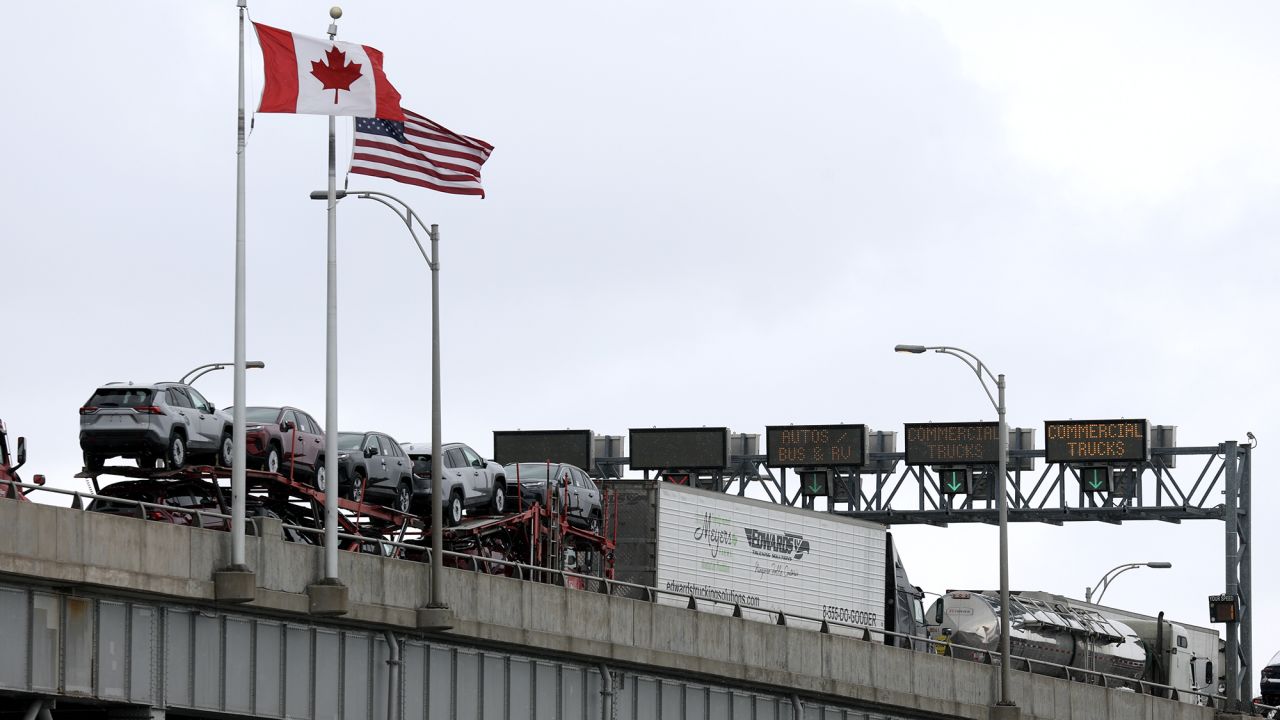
1095	483
954	485
815	487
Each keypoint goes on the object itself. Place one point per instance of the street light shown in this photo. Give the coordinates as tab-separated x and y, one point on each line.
1002	502
200	370
1105	582
436	608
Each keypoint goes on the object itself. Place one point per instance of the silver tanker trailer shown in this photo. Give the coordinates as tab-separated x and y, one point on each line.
1055	633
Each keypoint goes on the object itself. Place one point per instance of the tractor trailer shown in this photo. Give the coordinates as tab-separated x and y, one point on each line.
1055	633
757	559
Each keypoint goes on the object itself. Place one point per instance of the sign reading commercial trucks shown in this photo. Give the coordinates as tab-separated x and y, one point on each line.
971	443
762	556
1095	441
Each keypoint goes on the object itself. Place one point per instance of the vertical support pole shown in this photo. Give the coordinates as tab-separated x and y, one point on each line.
331	359
1245	534
1232	481
1003	504
437	463
238	392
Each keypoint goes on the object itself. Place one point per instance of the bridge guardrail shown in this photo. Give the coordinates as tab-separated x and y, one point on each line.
620	588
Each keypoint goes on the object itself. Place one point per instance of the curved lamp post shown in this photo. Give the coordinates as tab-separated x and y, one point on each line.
199	371
1002	502
1105	582
409	217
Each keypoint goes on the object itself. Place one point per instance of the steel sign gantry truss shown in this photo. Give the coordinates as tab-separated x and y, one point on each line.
1176	484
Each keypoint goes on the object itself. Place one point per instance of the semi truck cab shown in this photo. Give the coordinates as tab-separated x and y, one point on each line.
904	602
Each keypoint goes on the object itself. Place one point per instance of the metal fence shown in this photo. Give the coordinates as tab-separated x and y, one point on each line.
595	583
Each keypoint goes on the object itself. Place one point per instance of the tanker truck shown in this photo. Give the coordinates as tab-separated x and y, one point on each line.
756	559
1055	633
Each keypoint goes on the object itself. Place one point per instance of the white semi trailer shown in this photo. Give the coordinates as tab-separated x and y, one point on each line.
1055	633
758	558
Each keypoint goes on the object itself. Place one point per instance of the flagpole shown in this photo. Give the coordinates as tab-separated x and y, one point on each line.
238	392
236	582
331	357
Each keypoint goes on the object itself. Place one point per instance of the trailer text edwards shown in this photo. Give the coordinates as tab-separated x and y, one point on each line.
752	556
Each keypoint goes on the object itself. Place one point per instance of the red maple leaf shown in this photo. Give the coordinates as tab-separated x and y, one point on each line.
337	74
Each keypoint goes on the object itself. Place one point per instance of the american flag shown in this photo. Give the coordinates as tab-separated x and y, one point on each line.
419	151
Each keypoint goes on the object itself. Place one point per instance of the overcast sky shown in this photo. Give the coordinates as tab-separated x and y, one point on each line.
699	213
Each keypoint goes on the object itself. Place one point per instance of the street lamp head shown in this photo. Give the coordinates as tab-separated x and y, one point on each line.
324	194
913	349
255	365
1161	565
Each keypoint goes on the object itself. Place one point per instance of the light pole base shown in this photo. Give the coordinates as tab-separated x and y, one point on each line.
435	618
328	598
1005	712
235	584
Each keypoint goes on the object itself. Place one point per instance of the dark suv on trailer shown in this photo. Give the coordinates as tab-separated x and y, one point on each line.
372	464
570	484
163	421
1271	682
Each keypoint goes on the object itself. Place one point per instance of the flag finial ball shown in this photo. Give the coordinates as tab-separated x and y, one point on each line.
335	12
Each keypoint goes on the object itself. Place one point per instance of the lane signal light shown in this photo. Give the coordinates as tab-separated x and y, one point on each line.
955	481
815	482
1096	479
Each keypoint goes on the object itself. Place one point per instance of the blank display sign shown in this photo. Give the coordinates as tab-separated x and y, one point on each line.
679	448
576	447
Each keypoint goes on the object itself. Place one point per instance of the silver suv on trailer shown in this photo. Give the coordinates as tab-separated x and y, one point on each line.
163	421
469	481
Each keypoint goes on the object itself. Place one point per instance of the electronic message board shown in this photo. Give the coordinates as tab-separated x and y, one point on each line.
1094	441
575	447
972	443
816	445
679	448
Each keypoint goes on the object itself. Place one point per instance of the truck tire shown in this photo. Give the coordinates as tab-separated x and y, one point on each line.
175	453
498	503
453	509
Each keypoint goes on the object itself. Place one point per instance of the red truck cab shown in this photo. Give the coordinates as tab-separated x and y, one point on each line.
9	465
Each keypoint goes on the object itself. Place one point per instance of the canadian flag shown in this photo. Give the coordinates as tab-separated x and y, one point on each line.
322	77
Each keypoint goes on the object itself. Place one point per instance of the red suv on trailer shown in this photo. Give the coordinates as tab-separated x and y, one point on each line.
284	440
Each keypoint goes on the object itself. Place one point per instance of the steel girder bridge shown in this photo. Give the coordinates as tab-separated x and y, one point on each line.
1176	484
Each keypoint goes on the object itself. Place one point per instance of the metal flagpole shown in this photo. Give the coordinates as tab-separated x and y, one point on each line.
331	360
437	463
237	414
